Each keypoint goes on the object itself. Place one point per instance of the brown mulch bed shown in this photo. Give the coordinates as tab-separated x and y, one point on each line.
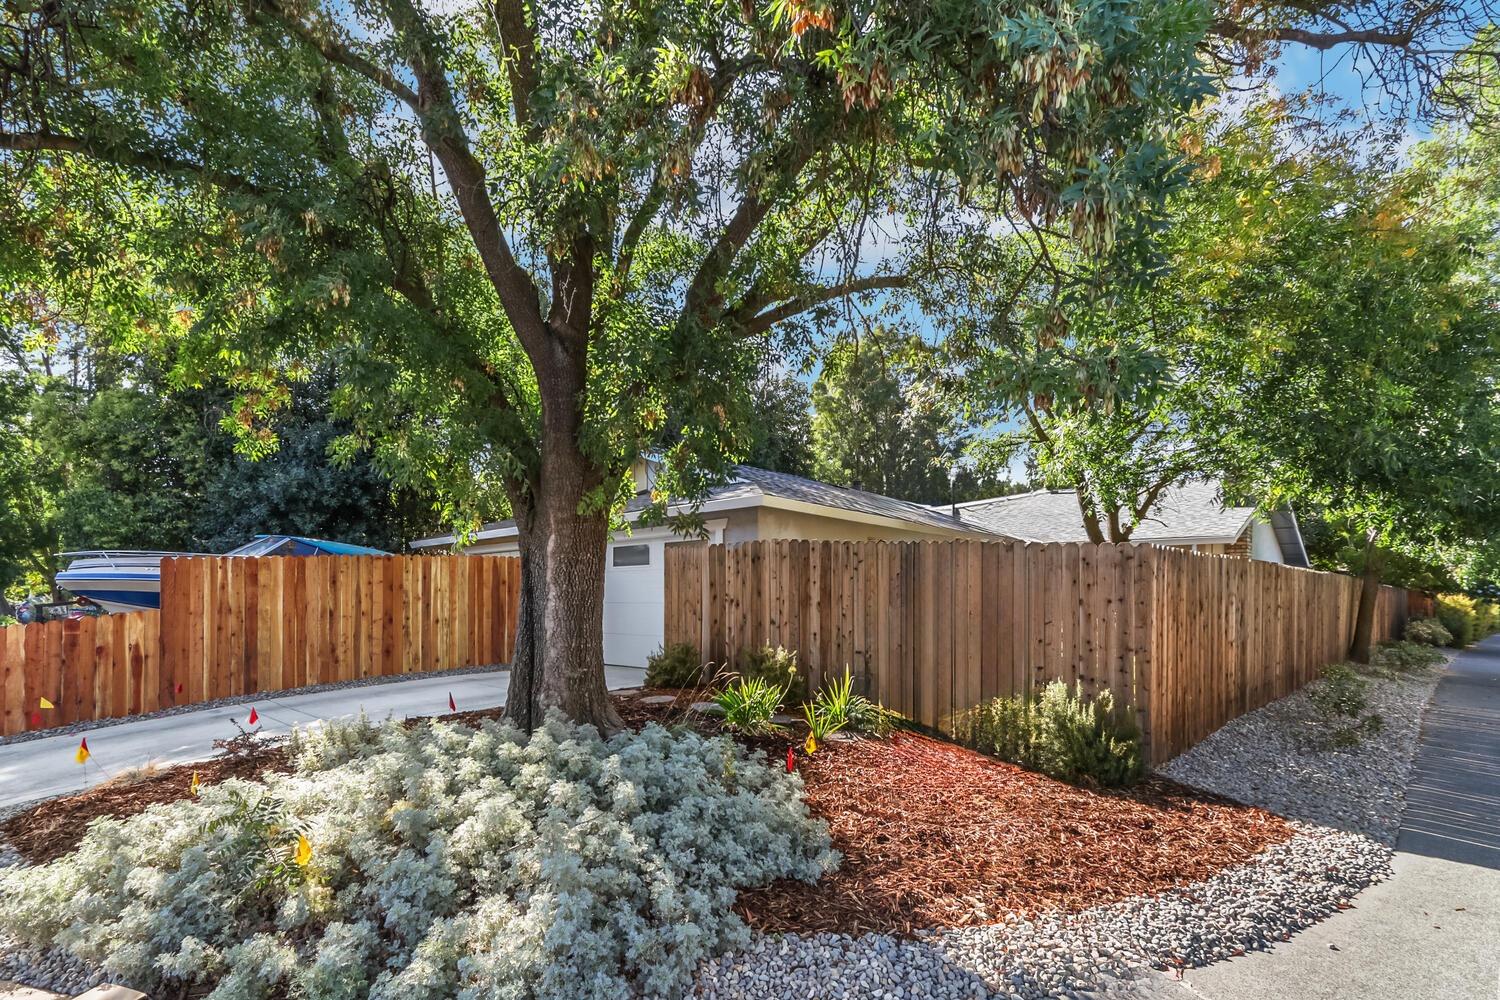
936	835
53	828
932	834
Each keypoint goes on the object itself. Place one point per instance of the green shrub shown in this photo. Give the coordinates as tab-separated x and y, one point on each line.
1342	691
1467	618
776	666
1341	697
1063	734
749	703
1427	632
1406	657
676	666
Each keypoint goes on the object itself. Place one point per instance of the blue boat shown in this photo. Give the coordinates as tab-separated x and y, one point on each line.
130	580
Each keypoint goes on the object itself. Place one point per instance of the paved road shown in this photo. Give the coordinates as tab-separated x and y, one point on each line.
1433	930
45	767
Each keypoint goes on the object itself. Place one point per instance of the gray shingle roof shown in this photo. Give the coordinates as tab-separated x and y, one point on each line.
1192	513
789	487
750	484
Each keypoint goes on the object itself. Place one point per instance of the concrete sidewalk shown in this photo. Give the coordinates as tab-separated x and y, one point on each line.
45	767
1433	930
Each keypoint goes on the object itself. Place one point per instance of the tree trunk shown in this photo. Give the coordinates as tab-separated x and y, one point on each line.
559	659
1361	649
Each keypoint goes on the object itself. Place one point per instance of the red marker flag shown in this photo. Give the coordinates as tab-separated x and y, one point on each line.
253	717
452	705
179	687
36	720
791	760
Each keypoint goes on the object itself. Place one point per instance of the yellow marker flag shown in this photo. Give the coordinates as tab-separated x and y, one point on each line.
82	755
303	854
193	786
45	703
811	746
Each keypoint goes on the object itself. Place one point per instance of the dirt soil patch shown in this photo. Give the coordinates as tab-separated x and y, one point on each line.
932	834
53	828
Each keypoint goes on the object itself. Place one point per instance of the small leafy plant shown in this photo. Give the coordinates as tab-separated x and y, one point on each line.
835	700
267	847
1341	697
749	703
777	666
676	666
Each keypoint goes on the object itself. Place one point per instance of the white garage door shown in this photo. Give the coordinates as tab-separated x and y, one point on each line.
634	589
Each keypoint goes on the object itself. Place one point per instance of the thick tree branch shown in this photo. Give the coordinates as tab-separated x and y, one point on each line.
443	133
342	55
1323	40
702	299
124	156
518	39
763	321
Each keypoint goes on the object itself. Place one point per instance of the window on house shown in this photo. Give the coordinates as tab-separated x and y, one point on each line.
632	555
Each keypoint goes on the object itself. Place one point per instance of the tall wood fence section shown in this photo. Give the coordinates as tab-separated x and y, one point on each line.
933	628
236	626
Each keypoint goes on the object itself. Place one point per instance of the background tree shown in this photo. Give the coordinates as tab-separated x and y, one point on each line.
877	423
536	231
780	424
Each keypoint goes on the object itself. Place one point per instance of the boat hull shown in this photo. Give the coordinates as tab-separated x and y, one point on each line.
115	593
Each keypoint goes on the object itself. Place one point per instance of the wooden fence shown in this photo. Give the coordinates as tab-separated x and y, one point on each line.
933	628
235	626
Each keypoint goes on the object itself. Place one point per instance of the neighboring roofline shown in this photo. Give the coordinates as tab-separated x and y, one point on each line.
1005	496
1183	540
760	499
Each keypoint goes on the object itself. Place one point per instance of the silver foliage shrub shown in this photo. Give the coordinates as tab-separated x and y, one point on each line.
447	862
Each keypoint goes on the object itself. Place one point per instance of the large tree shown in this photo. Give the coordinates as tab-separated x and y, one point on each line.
1323	331
549	231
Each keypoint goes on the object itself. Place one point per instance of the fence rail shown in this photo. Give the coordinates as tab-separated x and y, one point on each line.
235	626
933	628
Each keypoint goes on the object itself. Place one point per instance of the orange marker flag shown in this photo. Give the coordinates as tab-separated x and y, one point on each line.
44	703
82	755
253	717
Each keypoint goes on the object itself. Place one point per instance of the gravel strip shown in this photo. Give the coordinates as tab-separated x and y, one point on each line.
1288	887
241	699
1267	759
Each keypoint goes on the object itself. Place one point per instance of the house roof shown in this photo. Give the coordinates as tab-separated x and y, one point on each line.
751	487
1190	514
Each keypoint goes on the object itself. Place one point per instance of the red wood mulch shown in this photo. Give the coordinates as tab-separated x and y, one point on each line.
53	828
935	835
932	834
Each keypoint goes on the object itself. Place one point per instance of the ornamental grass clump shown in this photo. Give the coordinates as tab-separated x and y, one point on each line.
441	861
749	704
